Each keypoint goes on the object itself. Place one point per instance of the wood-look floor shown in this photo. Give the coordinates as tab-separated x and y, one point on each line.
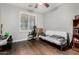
36	47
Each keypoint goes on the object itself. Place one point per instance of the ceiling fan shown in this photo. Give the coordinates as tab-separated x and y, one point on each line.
41	5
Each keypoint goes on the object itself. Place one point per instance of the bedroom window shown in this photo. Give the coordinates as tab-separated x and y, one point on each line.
27	21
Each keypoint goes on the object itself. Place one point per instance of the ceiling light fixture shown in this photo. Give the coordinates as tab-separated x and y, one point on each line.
42	5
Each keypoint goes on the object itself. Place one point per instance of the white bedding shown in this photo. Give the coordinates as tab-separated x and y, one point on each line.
54	40
3	42
63	34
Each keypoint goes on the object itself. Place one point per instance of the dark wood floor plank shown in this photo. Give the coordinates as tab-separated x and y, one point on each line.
36	47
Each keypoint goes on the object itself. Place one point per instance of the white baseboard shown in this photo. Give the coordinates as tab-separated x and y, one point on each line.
20	40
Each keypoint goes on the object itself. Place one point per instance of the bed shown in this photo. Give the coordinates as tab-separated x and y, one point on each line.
57	37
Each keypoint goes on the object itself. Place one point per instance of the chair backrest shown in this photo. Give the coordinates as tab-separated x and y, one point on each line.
7	34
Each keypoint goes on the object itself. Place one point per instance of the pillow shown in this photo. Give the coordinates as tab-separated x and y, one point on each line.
2	37
57	36
60	33
43	34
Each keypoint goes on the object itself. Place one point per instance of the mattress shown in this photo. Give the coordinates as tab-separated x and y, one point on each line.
53	40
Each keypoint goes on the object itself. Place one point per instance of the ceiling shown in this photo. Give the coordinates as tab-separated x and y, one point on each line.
30	7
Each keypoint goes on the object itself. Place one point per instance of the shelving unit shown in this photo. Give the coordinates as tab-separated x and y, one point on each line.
76	35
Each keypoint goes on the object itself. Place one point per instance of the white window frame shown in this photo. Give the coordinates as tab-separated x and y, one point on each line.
27	13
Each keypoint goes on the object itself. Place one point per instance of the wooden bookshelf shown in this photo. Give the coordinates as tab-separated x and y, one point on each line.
76	35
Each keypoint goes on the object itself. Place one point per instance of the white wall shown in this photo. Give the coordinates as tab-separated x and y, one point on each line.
61	18
39	21
10	21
